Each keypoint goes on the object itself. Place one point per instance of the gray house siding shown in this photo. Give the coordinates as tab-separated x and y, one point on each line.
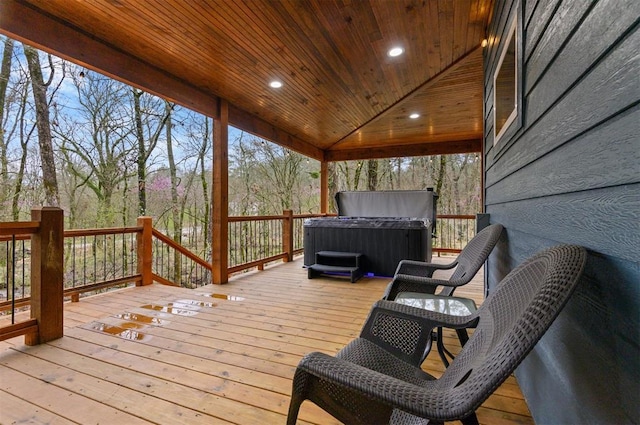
571	174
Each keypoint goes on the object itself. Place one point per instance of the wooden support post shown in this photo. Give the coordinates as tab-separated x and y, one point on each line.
144	240
47	287
220	195
324	187
287	234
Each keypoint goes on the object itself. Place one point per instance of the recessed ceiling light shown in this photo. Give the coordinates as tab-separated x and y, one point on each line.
275	84
395	51
414	116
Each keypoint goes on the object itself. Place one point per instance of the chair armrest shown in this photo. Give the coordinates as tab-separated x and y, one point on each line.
421	268
410	283
405	331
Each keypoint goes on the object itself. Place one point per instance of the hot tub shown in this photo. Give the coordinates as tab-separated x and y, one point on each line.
385	227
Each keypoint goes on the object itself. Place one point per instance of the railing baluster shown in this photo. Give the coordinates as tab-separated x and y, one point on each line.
253	242
13	278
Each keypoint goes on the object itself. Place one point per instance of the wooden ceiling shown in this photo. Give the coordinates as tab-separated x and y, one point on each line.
343	97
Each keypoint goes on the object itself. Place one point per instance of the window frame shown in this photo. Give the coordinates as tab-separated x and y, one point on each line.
515	119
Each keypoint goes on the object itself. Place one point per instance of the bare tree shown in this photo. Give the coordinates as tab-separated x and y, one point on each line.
199	137
96	139
150	120
280	169
349	173
39	88
5	74
25	134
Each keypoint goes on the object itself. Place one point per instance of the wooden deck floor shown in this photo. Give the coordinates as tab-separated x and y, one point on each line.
219	354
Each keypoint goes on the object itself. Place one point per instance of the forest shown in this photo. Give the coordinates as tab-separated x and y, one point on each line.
106	153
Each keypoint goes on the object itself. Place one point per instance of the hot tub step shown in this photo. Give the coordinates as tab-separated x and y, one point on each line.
337	262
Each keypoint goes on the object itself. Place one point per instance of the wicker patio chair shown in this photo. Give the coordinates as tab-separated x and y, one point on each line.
374	379
417	276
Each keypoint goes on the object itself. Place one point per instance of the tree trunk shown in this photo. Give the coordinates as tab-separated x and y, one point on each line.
372	174
440	179
205	186
49	179
333	185
5	73
142	155
175	205
24	140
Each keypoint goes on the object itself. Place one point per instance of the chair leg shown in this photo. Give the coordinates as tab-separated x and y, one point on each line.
441	349
294	408
427	349
463	336
470	420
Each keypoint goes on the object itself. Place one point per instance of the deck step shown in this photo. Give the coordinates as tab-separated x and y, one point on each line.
337	262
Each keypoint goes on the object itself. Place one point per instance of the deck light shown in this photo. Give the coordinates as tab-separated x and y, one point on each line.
275	84
414	116
395	51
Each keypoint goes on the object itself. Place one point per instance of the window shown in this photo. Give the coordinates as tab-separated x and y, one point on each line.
506	86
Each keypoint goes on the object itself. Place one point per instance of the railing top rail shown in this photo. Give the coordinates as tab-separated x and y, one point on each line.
312	215
105	231
272	217
19	228
460	216
255	217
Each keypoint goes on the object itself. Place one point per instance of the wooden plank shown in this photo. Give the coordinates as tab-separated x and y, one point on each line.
114	395
18	228
311	303
43	393
172	383
14	410
420	149
18	329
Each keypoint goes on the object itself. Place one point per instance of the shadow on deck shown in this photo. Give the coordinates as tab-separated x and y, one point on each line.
218	354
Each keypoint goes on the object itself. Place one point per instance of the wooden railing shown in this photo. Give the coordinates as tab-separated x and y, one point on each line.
45	231
258	240
453	232
97	259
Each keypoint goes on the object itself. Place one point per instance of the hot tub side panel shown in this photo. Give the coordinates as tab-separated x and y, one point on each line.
382	247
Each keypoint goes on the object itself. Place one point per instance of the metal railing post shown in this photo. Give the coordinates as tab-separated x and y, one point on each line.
47	285
144	241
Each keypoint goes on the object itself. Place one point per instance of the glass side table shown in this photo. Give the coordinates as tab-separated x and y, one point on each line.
454	306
